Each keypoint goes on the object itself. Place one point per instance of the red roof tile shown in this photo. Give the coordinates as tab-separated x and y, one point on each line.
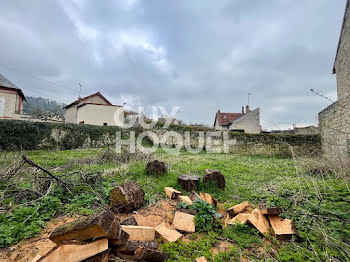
225	118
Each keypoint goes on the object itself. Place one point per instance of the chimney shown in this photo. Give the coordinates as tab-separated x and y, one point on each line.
242	110
247	109
218	110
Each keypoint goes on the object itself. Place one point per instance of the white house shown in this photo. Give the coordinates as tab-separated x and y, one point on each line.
94	109
11	99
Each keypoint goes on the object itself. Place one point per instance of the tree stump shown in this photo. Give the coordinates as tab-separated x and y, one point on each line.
216	176
188	182
127	197
156	168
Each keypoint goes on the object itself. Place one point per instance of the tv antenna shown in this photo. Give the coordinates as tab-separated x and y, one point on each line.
249	94
80	85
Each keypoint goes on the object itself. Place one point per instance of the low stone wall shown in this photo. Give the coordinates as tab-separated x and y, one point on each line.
247	144
23	135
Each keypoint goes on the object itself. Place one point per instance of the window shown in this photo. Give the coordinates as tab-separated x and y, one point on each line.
105	124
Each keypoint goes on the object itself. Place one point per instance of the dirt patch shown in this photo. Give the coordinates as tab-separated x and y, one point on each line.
26	250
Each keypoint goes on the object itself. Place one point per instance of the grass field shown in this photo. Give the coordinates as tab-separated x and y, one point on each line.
317	200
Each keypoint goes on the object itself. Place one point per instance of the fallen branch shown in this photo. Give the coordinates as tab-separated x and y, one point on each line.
58	180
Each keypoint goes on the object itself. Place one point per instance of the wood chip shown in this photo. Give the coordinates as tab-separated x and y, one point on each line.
282	226
259	221
77	252
186	199
140	233
167	234
235	210
171	192
184	222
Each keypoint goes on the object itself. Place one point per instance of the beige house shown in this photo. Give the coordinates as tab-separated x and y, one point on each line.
248	121
94	110
11	99
334	121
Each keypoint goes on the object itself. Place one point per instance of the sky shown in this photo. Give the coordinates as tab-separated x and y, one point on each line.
199	55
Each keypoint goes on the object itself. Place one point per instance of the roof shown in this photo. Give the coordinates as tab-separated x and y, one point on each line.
4	82
96	104
226	118
79	100
341	33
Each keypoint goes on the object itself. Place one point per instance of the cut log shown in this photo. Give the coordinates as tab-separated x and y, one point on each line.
187	211
271	211
235	210
184	222
240	218
188	182
207	198
156	167
146	254
186	199
283	228
140	233
127	197
77	252
131	221
122	239
201	259
171	192
259	221
105	224
130	247
167	234
216	176
248	210
101	257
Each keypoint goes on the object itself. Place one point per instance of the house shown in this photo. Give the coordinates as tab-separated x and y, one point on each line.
11	99
94	109
247	121
334	121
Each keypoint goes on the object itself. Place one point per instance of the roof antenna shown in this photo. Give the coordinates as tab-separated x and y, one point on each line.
80	85
249	94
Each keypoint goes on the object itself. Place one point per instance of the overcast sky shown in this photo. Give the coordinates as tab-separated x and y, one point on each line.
199	55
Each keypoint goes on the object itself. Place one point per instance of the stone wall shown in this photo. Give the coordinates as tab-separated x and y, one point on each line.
334	124
23	135
247	144
334	121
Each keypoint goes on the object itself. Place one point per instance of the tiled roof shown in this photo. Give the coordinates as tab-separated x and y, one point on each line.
87	97
226	118
4	82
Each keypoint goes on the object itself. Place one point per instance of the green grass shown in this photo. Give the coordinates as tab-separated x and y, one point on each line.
319	205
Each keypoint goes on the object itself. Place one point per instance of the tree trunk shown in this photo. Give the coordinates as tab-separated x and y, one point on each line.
188	182
156	168
127	197
105	224
216	176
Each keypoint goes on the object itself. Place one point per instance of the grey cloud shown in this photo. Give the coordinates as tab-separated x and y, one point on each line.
199	55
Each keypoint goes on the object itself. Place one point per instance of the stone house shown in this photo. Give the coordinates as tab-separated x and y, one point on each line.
334	121
11	99
94	109
247	122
